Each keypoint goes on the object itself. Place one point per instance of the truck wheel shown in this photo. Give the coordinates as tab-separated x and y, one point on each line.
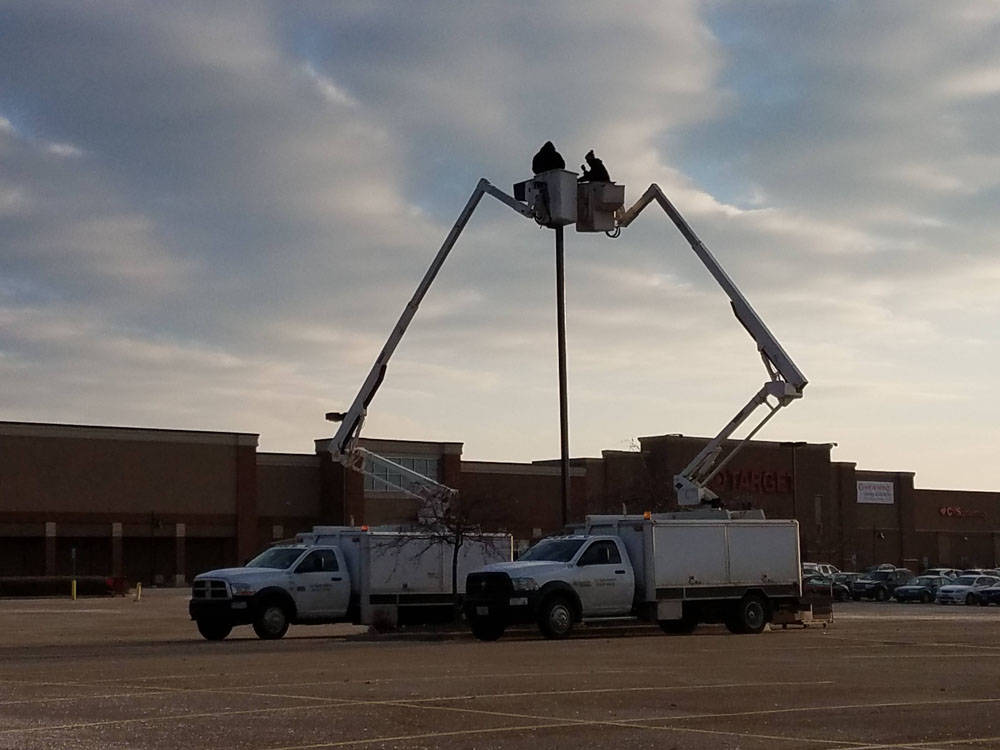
271	622
487	628
555	618
214	630
749	615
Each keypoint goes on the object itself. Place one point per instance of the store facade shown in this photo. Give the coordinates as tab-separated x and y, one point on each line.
159	506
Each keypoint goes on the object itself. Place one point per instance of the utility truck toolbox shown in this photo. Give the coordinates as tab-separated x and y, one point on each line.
674	569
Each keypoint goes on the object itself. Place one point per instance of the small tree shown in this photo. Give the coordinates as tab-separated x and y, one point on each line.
449	518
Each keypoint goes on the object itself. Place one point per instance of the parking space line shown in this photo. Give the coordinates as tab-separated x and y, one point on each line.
813	709
351	701
346	702
434	735
925	744
171	717
522	694
65	698
970	655
372	681
559	722
638	723
913	644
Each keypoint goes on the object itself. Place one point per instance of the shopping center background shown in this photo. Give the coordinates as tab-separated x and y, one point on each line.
160	506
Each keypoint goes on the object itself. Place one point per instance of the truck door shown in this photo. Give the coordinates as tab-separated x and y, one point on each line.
604	581
322	587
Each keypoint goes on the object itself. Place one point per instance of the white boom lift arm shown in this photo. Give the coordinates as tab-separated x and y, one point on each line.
785	381
344	445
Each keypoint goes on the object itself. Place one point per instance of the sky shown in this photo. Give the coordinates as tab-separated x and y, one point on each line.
212	215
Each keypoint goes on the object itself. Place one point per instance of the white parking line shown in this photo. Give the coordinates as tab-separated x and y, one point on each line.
925	744
344	702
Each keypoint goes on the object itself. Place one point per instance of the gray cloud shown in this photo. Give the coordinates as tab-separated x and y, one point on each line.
211	216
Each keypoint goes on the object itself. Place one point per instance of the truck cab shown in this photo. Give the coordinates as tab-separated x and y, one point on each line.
556	583
282	585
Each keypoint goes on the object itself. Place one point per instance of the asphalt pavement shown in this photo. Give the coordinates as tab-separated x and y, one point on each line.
116	673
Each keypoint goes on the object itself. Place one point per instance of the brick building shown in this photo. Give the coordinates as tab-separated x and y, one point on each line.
161	505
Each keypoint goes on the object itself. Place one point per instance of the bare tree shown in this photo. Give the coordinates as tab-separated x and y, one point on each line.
449	521
457	520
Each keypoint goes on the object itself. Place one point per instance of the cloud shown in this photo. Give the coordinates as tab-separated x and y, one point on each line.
212	216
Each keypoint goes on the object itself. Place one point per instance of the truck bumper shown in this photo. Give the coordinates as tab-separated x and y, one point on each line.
236	611
519	607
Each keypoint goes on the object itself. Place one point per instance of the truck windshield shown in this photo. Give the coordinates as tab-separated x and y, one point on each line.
556	550
279	558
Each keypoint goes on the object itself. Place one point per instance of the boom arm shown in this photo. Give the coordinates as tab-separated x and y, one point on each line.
344	443
785	382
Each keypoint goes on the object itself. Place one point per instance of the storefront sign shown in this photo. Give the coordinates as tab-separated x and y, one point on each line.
954	511
749	480
875	493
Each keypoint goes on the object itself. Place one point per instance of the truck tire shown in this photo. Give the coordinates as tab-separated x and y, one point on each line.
214	630
487	628
555	617
749	615
271	622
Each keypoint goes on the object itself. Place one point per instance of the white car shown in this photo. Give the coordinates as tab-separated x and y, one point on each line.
965	589
824	569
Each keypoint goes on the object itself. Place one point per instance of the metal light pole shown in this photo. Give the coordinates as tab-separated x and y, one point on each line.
563	408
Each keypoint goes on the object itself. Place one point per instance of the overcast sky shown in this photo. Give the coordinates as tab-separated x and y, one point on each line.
212	214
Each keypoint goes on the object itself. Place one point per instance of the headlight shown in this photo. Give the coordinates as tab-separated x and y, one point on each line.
241	588
524	584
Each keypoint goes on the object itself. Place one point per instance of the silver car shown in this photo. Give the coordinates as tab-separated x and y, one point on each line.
965	589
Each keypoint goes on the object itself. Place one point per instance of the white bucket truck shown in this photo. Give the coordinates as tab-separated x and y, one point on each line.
675	569
340	574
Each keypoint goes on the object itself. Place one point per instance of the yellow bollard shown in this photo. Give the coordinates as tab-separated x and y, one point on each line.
72	589
138	592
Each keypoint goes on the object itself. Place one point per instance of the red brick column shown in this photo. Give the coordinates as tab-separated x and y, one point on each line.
180	535
116	550
247	542
451	470
50	548
354	496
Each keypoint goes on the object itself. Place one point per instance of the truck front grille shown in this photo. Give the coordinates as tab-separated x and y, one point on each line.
488	585
209	589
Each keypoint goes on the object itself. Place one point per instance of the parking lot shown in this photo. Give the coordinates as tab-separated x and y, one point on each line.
100	673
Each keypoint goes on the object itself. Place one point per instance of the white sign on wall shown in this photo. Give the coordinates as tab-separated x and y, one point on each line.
877	493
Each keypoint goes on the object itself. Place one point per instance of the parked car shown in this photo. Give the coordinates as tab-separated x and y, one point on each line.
847	578
965	590
952	573
990	595
884	566
921	589
827	585
824	569
880	583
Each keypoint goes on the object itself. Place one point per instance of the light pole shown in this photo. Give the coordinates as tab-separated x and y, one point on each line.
563	403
